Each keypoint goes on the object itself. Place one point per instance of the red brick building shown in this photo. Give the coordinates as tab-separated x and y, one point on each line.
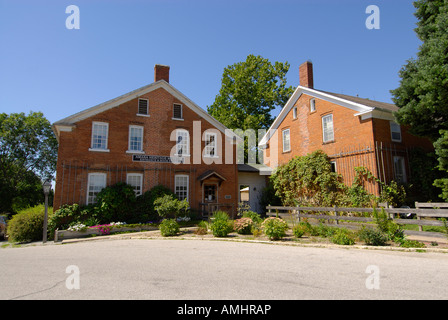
151	136
352	131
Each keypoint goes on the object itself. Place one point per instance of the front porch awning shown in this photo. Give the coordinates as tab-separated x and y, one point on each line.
210	174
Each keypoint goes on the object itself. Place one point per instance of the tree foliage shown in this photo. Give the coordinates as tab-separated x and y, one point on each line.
250	90
28	154
423	92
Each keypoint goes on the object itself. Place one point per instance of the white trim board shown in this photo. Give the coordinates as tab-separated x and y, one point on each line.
362	110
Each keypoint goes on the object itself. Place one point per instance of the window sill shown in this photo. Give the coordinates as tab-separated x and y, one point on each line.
328	142
208	156
143	115
178	119
286	151
99	150
135	152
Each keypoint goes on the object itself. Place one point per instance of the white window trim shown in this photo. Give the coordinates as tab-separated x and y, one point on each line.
391	132
188	184
181	112
312	105
283	140
208	155
89	180
294	113
147	108
107	137
129	140
187	153
141	181
323	128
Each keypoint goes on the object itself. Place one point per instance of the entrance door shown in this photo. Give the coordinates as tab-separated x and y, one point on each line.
211	197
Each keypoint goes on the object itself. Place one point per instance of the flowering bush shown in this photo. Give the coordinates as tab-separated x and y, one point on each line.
103	228
77	227
243	225
183	219
274	228
117	223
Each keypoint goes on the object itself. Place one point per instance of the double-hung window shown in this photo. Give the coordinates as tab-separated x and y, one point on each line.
135	180
182	143
135	139
210	145
181	186
286	139
100	132
96	183
327	128
395	131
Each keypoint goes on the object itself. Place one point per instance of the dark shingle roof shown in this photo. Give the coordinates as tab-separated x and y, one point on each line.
367	102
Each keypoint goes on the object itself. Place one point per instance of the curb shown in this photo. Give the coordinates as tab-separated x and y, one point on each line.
145	236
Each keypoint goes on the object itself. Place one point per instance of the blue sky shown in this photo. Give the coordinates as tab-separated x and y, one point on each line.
46	67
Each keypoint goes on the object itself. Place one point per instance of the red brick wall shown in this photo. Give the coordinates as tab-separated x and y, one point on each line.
382	132
306	130
351	134
75	160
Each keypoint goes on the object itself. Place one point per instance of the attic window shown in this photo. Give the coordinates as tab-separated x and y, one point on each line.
143	106
312	105
177	111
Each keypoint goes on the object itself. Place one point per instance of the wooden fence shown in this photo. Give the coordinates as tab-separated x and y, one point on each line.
432	210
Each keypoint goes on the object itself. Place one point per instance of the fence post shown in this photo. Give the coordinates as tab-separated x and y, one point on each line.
336	221
420	227
269	210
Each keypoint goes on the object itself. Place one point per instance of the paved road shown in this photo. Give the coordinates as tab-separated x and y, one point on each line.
195	269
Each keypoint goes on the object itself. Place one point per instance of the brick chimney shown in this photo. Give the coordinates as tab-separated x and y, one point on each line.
161	72
306	74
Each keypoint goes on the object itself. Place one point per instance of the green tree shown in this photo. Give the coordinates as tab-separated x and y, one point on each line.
250	90
423	92
28	154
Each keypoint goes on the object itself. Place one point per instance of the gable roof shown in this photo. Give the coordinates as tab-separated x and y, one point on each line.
69	122
367	102
363	107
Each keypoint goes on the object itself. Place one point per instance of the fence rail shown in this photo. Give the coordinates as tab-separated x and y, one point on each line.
335	214
207	209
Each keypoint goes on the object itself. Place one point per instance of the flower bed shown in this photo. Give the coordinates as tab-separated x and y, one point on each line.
82	231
